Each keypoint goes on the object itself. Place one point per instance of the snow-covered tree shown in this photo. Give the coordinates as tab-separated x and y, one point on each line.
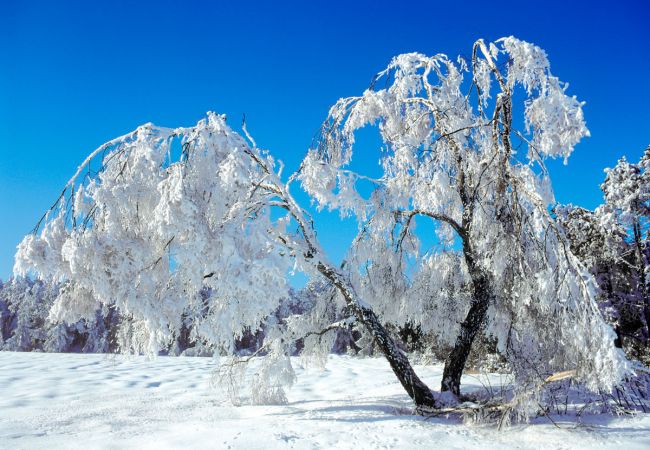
612	242
152	219
24	309
165	214
627	207
450	156
27	305
5	314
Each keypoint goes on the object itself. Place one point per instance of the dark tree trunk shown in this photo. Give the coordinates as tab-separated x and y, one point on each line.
414	387
618	341
455	363
482	295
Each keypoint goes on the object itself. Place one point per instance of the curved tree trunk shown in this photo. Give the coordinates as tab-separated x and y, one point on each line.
482	289
455	362
415	388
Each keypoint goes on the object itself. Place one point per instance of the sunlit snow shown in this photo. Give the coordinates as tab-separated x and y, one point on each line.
99	401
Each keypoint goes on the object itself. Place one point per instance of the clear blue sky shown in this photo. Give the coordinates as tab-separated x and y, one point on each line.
75	74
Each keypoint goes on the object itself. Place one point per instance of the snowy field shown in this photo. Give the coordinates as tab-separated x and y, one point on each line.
98	401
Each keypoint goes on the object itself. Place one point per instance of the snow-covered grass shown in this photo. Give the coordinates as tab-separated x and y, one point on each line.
98	401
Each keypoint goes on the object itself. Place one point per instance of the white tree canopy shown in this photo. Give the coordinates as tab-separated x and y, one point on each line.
151	229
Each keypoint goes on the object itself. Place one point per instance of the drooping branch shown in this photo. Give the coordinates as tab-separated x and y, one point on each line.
462	232
345	324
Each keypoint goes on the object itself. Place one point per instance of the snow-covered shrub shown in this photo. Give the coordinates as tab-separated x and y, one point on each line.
24	319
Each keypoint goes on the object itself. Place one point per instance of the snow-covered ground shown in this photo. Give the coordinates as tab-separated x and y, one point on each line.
98	401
